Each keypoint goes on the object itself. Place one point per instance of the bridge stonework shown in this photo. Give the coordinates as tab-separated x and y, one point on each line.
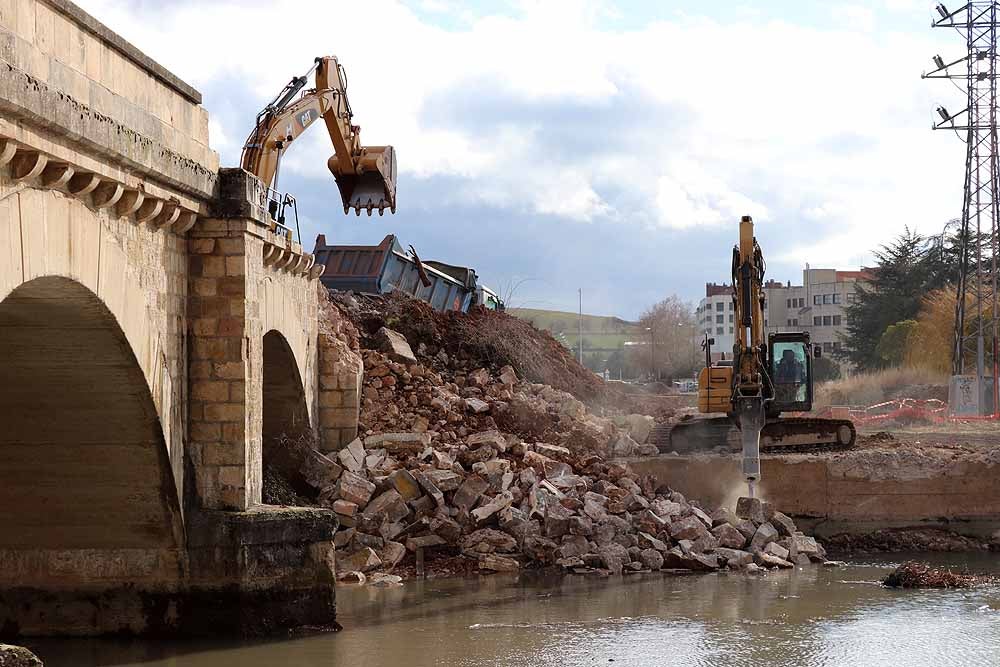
156	335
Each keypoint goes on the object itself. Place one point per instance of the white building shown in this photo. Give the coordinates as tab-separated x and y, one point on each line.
816	306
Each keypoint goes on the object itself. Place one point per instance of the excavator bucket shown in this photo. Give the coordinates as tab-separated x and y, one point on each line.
374	187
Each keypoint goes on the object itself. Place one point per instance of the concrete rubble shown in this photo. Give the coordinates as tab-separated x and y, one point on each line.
17	656
465	479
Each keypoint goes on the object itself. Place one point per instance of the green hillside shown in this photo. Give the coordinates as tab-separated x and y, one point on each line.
599	331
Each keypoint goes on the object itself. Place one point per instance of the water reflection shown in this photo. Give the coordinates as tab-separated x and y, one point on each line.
812	616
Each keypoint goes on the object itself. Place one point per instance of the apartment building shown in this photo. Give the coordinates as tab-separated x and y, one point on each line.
816	306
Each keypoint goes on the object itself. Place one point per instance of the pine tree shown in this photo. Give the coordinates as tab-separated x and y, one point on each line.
907	269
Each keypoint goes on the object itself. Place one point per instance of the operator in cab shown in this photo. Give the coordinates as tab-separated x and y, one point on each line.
789	377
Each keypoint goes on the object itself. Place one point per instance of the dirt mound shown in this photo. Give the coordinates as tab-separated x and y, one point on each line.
898	540
481	338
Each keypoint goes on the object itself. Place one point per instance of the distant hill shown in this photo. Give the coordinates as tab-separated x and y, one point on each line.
600	332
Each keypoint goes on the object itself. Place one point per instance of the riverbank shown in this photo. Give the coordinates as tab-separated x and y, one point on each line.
809	615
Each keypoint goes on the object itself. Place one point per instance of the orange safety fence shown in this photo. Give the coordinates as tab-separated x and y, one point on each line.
901	410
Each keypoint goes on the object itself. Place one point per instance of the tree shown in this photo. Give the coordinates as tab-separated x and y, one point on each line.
894	343
825	369
907	270
668	331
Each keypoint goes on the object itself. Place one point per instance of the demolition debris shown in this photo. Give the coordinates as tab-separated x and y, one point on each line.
466	463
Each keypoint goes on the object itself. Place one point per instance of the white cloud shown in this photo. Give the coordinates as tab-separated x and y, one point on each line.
796	125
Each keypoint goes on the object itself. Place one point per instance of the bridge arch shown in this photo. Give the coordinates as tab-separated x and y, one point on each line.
285	416
83	453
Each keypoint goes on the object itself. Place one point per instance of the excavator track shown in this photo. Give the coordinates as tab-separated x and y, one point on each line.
791	435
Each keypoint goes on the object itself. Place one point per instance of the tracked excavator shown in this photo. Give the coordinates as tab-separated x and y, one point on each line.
365	175
764	378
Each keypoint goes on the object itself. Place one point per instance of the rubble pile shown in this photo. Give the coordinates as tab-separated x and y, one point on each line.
506	504
462	460
912	574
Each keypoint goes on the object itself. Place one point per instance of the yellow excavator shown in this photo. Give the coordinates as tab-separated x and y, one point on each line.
365	175
764	378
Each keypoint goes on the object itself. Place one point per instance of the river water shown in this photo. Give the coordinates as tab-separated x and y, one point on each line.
810	616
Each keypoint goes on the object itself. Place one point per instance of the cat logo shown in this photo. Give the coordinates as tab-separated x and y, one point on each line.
306	118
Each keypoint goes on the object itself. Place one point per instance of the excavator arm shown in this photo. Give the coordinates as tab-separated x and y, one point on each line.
365	175
749	370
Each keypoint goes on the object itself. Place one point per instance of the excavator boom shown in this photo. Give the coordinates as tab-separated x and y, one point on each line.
365	175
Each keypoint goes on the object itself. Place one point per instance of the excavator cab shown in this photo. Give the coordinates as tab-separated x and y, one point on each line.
790	372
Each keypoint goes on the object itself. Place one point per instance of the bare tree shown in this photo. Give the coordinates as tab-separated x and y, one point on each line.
671	338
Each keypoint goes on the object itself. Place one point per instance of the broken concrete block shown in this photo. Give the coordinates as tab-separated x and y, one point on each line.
487	540
784	524
395	345
724	515
639	427
342	538
735	557
614	556
553	451
805	545
623	447
507	376
497	563
652	559
363	560
647	540
751	509
557	518
424	542
389	505
469	493
488	511
399	443
769	560
318	470
392	553
445	480
352	457
446	528
405	484
476	406
765	534
728	536
345	508
351	577
429	487
442	460
687	528
705	519
746	528
494	439
777	550
354	488
422	505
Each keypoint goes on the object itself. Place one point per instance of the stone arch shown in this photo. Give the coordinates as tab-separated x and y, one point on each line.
285	416
83	453
135	271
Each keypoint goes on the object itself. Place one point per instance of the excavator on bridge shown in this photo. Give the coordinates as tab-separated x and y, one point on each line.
764	378
365	175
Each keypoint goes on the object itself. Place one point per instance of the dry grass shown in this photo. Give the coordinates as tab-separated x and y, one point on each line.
870	388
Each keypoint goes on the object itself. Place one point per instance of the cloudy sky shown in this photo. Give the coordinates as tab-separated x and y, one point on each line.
608	146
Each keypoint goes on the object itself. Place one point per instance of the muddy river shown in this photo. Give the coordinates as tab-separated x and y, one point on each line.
812	616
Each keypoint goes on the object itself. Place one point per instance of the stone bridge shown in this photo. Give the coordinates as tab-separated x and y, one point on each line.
156	336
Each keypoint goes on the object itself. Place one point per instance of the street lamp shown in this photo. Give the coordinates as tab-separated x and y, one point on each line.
652	351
